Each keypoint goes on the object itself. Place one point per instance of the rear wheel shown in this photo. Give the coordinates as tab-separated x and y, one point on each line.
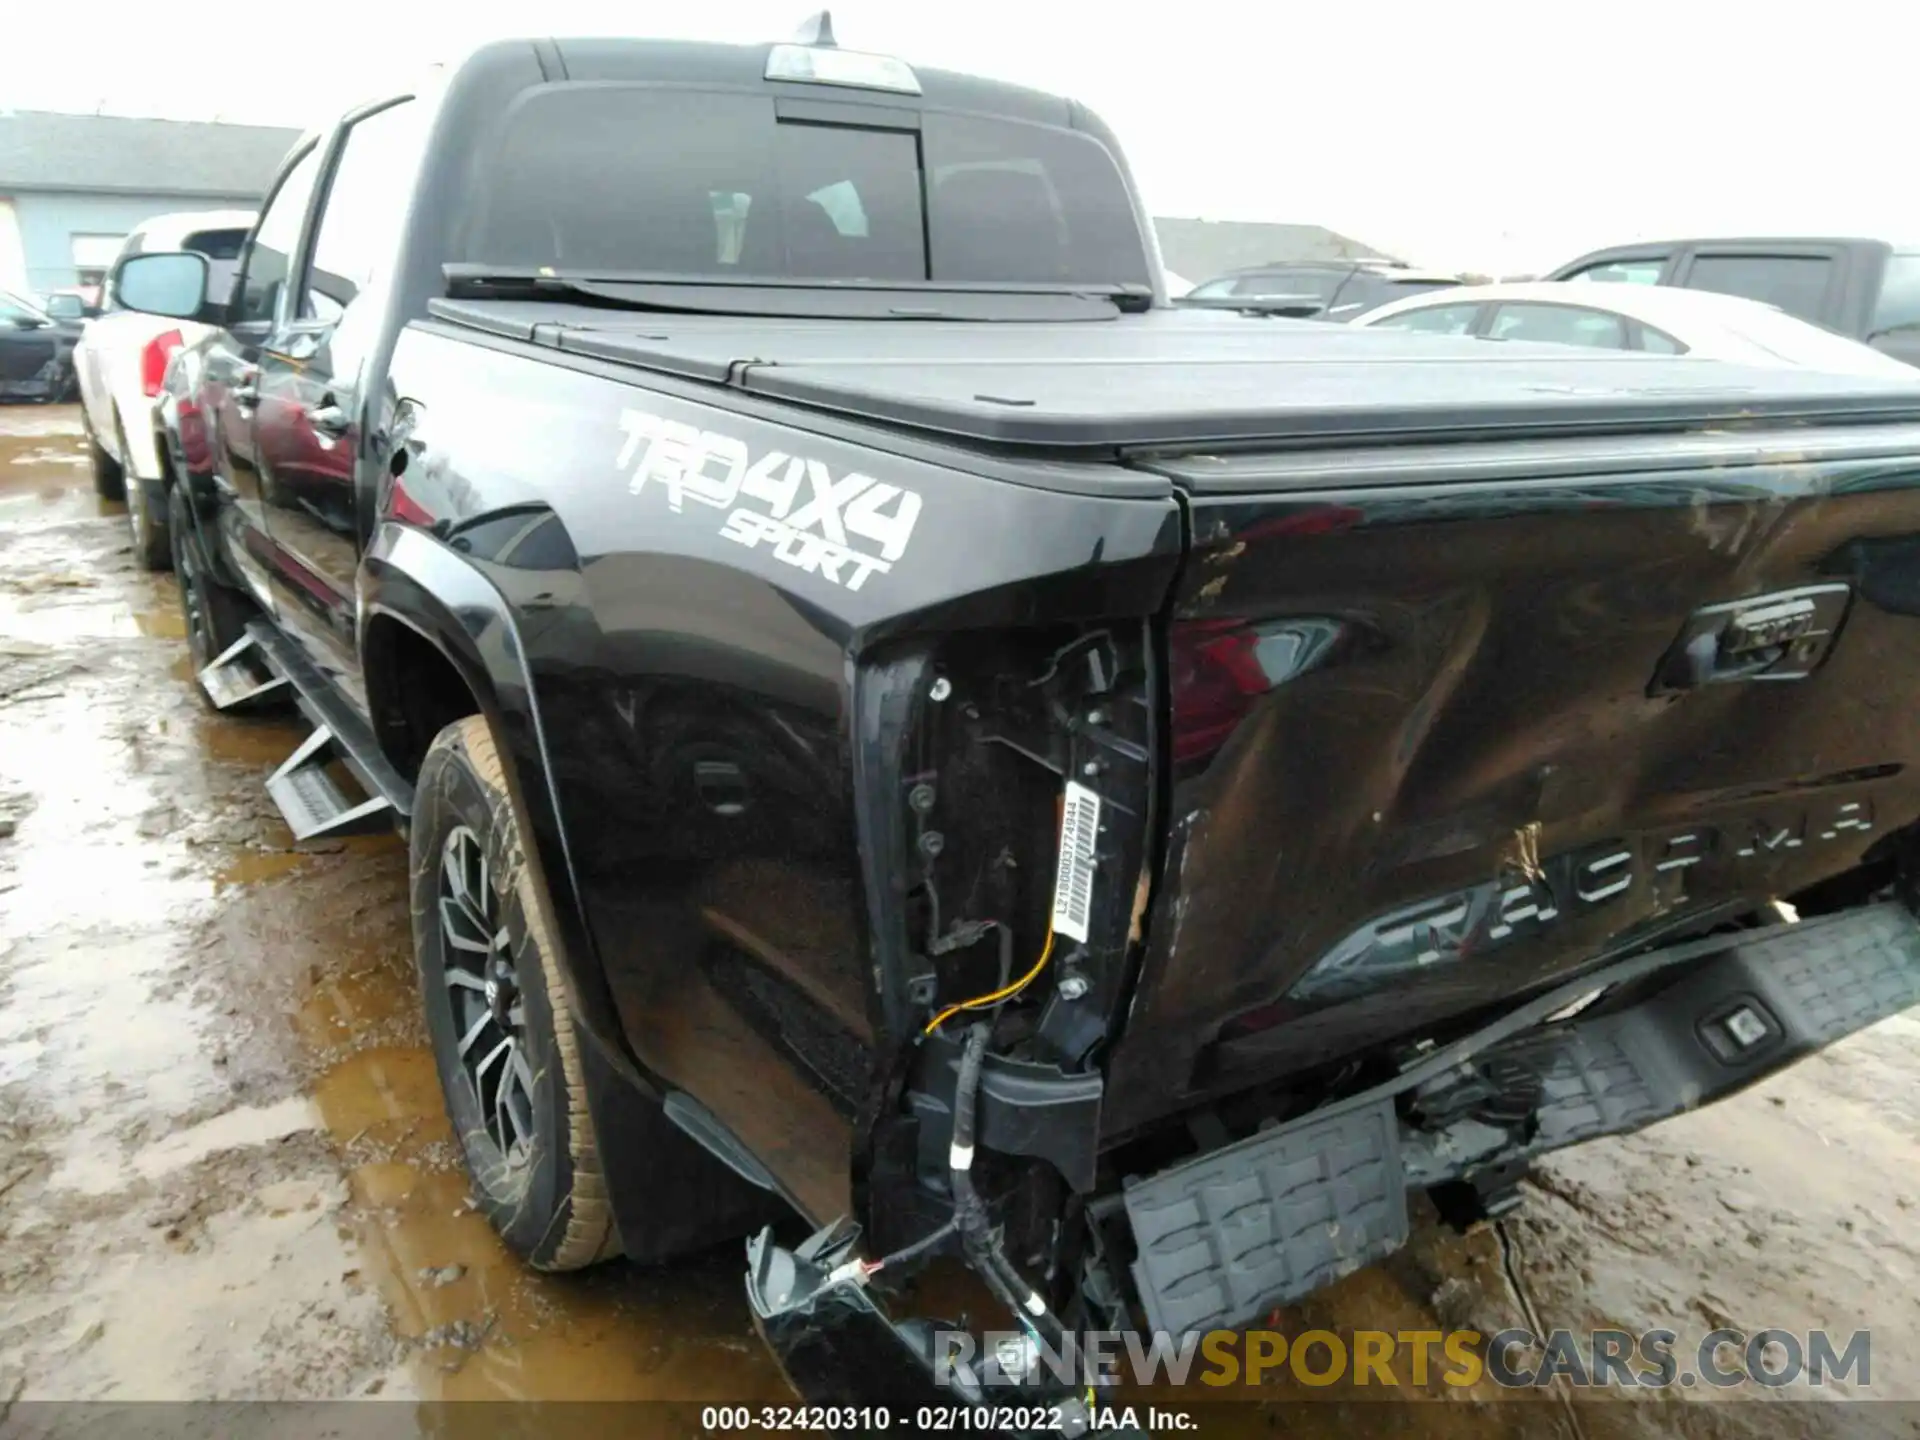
146	510
152	547
109	480
497	1011
216	617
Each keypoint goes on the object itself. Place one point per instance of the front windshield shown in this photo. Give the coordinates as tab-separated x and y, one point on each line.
743	191
13	307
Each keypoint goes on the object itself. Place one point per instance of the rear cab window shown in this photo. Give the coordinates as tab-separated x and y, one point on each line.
1796	283
752	190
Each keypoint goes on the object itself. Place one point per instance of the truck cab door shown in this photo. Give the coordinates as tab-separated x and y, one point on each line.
231	385
1809	280
1895	327
310	425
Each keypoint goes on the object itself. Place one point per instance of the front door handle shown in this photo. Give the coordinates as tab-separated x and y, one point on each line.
329	420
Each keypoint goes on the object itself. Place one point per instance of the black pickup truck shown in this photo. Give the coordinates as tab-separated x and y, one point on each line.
896	723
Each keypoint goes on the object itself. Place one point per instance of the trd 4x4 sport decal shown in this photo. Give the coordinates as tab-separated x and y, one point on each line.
798	508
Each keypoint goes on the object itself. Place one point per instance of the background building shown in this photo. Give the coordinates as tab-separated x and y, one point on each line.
72	186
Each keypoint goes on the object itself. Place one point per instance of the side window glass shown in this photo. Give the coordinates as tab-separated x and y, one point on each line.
1643	271
1659	342
1559	325
270	255
361	219
1796	284
1899	307
1437	320
223	249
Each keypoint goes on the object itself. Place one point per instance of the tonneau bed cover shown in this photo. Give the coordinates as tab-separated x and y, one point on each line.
1181	379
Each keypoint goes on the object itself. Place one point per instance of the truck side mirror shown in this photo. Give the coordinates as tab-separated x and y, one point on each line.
173	284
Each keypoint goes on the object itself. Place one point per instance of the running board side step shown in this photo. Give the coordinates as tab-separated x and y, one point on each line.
307	794
1226	1236
240	676
312	804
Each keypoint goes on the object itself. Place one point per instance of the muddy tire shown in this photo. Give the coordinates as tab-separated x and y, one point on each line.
109	480
152	546
497	1011
216	616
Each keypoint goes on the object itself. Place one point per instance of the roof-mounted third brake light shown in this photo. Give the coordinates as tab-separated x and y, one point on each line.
813	58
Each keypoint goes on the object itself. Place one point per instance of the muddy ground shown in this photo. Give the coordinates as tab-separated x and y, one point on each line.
225	1172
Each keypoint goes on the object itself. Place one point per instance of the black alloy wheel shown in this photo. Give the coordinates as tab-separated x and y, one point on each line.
497	1012
216	615
192	580
483	988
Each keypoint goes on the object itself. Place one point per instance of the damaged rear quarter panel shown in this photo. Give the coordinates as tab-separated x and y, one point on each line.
695	690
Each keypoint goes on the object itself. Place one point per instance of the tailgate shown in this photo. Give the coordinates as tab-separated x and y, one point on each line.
1450	723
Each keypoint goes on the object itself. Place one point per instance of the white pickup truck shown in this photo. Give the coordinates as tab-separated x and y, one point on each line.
121	359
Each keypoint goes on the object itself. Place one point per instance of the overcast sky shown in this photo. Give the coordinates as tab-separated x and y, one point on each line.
1474	133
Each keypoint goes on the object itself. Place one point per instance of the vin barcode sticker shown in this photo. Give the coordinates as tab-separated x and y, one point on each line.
1073	885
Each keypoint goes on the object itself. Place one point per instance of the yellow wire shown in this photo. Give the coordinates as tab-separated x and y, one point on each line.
1005	992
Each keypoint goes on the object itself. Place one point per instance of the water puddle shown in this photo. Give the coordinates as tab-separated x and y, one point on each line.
231	1171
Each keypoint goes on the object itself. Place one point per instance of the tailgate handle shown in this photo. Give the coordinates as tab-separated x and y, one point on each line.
1782	636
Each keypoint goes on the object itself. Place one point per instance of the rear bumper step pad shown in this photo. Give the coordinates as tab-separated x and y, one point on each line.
1226	1236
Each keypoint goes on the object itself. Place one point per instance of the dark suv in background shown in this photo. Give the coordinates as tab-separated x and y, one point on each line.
1866	289
1333	290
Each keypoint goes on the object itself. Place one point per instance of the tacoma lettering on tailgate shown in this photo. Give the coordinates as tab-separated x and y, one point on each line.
1484	917
799	509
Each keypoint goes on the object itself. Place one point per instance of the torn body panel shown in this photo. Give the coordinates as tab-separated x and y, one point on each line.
1448	726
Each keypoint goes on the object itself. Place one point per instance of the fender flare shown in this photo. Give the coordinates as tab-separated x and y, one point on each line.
409	577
